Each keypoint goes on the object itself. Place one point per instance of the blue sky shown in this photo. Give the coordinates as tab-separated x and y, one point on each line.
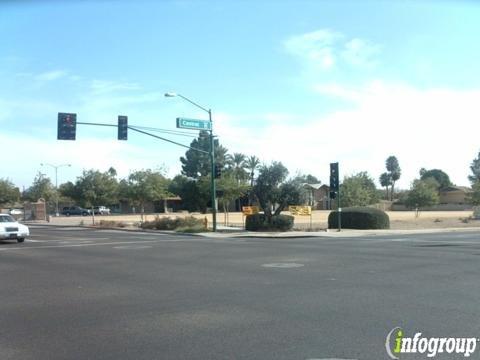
302	82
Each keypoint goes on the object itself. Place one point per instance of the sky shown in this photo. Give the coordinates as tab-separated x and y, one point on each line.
306	83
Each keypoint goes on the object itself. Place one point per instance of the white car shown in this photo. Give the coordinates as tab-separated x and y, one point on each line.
12	229
101	210
16	212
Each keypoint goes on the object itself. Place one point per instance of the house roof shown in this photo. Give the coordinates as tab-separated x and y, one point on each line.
312	186
464	189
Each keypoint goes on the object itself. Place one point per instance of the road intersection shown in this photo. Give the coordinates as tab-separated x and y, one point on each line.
78	293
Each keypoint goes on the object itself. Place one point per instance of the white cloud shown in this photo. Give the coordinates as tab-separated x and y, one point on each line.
360	52
317	48
324	49
85	153
435	128
51	75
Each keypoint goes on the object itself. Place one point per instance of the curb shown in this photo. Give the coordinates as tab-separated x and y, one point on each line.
164	232
350	233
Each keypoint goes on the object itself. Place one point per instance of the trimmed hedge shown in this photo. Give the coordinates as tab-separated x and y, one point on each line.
360	218
259	222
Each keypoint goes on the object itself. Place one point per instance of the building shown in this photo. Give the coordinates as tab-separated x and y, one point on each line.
454	195
319	196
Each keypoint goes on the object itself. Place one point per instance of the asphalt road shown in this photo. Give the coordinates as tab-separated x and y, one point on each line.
74	293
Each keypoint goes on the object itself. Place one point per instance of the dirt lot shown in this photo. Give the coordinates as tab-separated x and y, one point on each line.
400	220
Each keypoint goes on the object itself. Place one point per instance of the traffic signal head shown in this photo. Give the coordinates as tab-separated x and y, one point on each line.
333	194
67	126
122	127
334	176
218	171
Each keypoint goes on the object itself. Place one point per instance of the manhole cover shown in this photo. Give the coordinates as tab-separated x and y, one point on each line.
283	265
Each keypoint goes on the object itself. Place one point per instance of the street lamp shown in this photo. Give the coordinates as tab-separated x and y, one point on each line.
212	155
56	182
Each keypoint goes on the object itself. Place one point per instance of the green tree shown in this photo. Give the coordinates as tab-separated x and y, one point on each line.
70	192
273	191
144	186
474	196
195	193
9	194
94	188
475	168
440	177
238	165
195	163
422	193
385	181
231	189
306	194
358	190
393	168
252	163
42	187
307	179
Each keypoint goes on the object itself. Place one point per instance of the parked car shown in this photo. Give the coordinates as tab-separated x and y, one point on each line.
75	210
101	210
12	229
16	211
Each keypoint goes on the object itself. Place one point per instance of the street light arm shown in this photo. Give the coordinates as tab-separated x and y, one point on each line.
193	103
55	166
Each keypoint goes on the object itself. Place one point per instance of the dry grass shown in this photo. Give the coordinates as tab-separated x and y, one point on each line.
398	219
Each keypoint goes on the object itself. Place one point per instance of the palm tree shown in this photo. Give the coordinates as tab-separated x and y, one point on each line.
252	163
385	181
394	172
238	166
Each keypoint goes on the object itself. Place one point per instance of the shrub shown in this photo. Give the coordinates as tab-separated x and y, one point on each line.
167	223
360	218
259	222
109	223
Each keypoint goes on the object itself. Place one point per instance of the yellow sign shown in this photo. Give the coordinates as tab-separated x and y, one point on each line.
250	210
300	210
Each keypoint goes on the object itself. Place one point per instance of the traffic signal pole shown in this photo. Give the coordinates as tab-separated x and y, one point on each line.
212	175
67	131
339	211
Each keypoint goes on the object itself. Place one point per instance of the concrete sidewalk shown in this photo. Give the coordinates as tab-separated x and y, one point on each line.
231	232
333	233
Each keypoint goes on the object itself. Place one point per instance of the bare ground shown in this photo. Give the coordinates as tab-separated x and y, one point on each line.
399	220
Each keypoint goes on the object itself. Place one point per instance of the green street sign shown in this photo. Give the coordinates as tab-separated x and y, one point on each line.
193	124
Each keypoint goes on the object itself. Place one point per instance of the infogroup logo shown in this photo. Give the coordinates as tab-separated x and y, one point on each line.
397	343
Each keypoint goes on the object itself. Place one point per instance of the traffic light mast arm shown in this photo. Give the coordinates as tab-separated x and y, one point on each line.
96	124
170	141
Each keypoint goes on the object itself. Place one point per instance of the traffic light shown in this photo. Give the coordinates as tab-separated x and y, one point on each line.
218	171
333	195
122	127
334	183
67	126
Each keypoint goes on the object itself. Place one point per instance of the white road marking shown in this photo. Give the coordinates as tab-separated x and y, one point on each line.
132	247
283	265
131	232
79	245
77	242
332	359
